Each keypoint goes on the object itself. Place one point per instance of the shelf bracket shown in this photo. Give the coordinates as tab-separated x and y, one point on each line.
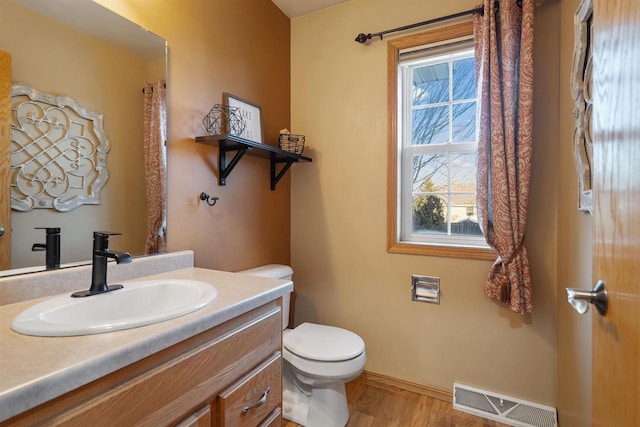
225	169
232	143
277	176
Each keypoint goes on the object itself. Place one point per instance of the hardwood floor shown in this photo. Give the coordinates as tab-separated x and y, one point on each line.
373	406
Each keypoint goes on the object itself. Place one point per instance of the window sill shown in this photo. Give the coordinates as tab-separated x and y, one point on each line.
442	251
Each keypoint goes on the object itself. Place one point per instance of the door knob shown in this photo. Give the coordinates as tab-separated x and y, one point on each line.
1	230
580	298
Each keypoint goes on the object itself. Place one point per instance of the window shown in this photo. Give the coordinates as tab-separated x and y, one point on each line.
432	145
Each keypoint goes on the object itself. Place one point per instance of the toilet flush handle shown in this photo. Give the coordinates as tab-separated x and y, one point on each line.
262	401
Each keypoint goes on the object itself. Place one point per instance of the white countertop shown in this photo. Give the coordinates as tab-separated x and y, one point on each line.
34	370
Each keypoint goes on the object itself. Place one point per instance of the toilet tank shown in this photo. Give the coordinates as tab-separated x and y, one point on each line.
275	271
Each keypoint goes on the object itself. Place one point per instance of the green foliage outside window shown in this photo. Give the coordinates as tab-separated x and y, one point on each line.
429	210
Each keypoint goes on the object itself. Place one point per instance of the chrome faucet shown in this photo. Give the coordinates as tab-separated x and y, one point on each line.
101	253
52	247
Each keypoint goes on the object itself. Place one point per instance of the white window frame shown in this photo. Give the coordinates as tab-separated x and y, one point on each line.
400	235
408	150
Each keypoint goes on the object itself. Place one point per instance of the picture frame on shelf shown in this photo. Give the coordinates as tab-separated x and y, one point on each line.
250	113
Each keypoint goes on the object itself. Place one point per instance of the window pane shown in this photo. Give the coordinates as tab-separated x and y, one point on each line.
463	172
464	79
430	125
431	84
464	122
429	214
430	173
437	125
464	218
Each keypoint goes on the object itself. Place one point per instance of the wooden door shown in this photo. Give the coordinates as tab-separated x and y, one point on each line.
5	160
616	229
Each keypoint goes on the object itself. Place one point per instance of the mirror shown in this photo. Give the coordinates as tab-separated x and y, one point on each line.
82	50
581	80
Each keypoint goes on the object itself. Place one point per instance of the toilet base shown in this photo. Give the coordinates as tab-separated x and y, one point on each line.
318	406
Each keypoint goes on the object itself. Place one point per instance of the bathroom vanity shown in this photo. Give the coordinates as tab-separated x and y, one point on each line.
218	366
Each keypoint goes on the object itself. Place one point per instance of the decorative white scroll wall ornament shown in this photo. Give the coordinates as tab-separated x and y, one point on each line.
581	92
58	152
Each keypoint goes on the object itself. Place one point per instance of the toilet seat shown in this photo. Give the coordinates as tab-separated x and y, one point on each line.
314	372
322	343
323	353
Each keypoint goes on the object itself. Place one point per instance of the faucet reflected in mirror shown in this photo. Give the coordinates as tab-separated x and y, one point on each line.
109	82
51	248
101	253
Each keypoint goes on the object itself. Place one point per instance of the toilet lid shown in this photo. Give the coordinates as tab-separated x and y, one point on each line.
323	343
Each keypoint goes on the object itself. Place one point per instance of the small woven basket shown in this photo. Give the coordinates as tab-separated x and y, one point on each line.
291	142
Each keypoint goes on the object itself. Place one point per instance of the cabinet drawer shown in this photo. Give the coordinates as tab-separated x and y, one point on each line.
273	420
200	418
254	396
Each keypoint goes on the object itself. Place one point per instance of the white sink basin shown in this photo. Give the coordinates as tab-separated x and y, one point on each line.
137	304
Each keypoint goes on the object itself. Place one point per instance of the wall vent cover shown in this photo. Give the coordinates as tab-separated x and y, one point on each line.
505	409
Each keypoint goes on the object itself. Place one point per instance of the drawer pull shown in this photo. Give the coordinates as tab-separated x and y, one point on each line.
262	401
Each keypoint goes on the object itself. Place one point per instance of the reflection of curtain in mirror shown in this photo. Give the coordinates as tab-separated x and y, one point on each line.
155	163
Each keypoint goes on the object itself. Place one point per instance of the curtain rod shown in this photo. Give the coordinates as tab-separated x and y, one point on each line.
362	38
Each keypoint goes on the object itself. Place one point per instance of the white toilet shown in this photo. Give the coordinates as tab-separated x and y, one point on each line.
318	361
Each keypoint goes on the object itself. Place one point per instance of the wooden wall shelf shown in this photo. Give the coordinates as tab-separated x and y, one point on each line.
241	146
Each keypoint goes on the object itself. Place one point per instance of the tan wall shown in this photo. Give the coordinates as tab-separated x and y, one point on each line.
58	60
574	260
157	69
343	274
216	46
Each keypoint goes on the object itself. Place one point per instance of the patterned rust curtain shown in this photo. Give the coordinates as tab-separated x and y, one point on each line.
155	164
503	38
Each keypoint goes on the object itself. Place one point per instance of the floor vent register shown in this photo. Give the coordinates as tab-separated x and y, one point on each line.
505	409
